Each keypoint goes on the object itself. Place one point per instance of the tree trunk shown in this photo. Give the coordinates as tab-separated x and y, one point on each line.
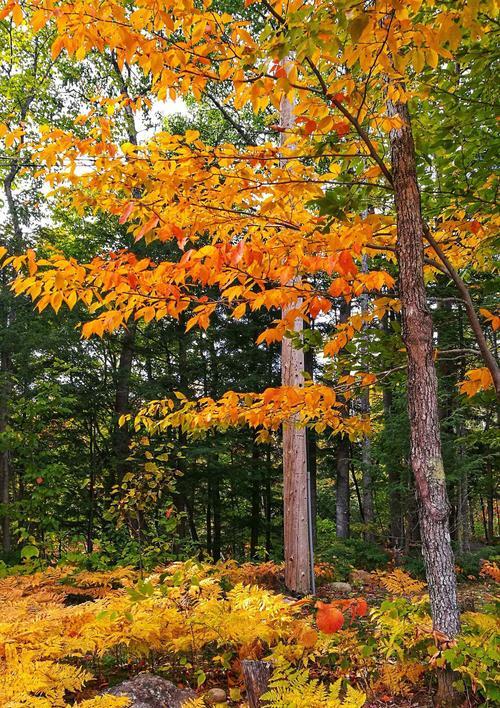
5	385
396	538
342	500
92	476
342	457
269	502
366	456
256	675
209	516
255	501
366	459
216	501
121	433
425	443
463	516
8	316
299	569
490	499
312	449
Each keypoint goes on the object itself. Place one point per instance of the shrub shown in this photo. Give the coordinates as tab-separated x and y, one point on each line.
344	555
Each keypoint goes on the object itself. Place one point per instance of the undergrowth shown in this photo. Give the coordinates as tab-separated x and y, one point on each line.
65	634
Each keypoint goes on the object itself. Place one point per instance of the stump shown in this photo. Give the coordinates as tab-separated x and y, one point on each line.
256	675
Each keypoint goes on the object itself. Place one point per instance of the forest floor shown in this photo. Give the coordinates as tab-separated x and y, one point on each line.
66	635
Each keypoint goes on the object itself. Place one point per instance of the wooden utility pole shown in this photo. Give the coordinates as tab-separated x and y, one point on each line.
299	564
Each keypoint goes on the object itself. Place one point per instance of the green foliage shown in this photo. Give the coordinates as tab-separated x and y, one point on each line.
476	655
469	564
344	555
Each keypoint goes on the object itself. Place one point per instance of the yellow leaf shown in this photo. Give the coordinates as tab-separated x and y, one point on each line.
17	15
239	311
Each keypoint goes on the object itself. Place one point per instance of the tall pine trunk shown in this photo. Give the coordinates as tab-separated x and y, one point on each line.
425	443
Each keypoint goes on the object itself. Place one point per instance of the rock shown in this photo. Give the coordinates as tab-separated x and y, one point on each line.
361	577
215	696
148	691
339	587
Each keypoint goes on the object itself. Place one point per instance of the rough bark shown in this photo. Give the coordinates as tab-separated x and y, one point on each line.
425	444
256	675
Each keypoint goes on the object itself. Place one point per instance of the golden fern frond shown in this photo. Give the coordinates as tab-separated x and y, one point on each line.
105	702
195	703
293	688
398	582
485	623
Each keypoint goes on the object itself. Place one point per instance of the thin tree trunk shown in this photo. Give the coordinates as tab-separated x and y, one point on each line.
209	516
358	493
269	501
5	383
8	316
490	498
299	570
485	523
342	500
425	444
90	518
366	459
255	501
216	501
366	456
472	528
121	433
463	511
396	538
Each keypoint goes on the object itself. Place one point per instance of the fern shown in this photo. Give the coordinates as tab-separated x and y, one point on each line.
398	582
293	688
105	702
195	703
